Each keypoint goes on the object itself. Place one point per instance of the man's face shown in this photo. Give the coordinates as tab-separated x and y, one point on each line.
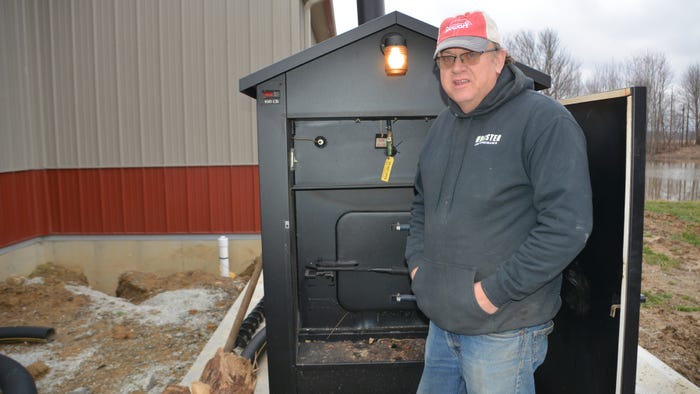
466	84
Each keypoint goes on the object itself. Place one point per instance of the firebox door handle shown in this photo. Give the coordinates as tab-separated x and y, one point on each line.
353	266
400	227
333	264
398	297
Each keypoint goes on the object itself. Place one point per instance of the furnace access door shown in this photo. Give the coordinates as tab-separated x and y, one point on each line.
352	204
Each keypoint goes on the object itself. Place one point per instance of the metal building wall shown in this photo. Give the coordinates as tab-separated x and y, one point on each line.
127	83
21	143
89	87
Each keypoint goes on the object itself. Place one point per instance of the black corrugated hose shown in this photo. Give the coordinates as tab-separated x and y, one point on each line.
255	345
14	378
250	324
26	334
251	344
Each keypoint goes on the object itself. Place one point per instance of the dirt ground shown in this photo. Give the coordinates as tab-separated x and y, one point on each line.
686	153
669	324
669	321
148	338
137	343
109	345
667	328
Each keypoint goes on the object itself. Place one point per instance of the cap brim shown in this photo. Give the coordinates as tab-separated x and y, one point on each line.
476	44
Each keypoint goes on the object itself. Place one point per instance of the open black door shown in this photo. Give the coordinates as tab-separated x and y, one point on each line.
594	345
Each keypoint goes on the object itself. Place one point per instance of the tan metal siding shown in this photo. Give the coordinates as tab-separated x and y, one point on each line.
150	92
20	120
62	139
128	78
129	83
106	85
216	91
171	81
239	103
84	82
193	72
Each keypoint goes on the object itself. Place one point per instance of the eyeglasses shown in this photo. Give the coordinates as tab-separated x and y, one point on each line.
469	58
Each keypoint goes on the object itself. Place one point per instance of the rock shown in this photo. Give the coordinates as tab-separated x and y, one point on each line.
59	273
121	332
152	382
84	335
38	369
135	286
81	390
15	280
138	286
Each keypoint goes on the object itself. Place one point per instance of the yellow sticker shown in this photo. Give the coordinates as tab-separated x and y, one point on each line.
386	172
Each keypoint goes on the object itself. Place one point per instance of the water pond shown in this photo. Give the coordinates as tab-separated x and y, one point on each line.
673	180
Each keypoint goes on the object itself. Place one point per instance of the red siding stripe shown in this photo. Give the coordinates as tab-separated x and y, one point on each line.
170	200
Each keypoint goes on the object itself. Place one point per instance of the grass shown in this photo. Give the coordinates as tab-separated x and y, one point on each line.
689	238
692	307
687	211
660	259
663	298
655	299
686	308
685	235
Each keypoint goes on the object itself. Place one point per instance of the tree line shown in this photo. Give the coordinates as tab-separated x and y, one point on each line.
673	109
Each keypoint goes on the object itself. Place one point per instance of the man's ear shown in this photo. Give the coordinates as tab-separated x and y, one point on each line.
500	60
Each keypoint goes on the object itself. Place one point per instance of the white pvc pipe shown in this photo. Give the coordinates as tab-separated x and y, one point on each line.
223	256
309	40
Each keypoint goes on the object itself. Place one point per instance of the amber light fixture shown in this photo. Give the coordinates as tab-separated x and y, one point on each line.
395	52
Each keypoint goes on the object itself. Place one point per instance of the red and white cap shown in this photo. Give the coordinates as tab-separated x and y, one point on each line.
472	31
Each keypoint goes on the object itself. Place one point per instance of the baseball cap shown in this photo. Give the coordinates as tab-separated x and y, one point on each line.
473	31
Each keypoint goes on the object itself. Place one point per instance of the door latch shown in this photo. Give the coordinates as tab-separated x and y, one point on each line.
613	310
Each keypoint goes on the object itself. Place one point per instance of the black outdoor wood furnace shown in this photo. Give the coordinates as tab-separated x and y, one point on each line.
334	221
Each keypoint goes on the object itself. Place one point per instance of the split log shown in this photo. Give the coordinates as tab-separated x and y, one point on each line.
228	373
175	389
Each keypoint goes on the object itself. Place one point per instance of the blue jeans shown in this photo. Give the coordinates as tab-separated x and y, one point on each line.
497	363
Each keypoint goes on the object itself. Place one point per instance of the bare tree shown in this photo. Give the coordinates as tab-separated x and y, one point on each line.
651	70
546	54
523	48
605	78
691	88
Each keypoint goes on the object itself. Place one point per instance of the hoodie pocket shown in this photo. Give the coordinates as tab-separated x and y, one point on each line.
445	294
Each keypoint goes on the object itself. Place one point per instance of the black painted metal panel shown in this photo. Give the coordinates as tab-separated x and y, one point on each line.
351	81
319	214
349	157
633	274
248	83
385	378
368	10
372	240
583	351
277	235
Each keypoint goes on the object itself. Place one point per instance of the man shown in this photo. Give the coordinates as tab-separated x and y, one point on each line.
502	206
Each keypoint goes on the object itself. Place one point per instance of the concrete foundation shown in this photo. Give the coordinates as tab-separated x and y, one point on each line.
104	258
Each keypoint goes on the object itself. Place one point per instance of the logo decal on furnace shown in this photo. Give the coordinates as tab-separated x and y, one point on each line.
488	139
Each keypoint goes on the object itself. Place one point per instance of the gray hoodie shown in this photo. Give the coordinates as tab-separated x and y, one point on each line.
503	196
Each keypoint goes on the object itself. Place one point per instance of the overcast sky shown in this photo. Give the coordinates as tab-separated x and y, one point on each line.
594	32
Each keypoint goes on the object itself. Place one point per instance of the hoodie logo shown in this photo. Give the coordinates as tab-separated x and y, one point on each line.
488	139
